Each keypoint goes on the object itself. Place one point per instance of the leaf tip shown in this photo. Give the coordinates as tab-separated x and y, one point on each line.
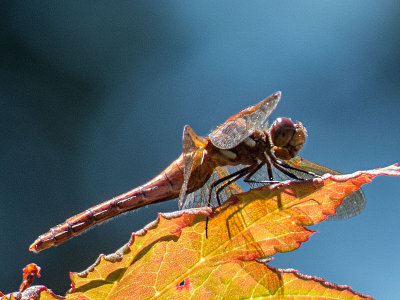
322	281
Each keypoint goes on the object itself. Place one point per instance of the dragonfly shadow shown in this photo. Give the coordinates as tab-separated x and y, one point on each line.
145	250
270	278
236	226
94	284
112	277
242	216
237	219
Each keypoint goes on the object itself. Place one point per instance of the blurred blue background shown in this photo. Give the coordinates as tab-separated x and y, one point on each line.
94	96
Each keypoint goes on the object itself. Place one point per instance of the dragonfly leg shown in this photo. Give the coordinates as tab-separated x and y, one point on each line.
286	172
234	176
270	176
231	178
221	188
248	177
283	164
249	172
270	180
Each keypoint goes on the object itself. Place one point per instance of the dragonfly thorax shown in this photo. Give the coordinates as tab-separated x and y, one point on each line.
248	152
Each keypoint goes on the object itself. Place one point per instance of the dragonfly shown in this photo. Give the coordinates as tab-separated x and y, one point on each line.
206	173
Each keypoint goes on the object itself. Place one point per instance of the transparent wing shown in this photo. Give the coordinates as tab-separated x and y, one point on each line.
230	134
199	197
243	124
192	147
351	206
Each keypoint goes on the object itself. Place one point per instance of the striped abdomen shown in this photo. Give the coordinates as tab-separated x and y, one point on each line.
163	187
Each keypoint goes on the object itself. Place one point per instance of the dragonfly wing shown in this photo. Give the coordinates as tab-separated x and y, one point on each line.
351	206
232	188
257	115
243	124
192	146
230	134
199	197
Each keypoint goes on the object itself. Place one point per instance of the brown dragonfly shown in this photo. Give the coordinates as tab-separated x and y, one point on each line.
257	153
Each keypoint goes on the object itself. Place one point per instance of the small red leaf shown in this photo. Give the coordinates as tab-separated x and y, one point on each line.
28	275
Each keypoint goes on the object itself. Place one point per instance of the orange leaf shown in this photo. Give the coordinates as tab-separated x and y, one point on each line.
28	275
172	257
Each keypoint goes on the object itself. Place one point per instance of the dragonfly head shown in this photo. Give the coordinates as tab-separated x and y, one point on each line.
287	138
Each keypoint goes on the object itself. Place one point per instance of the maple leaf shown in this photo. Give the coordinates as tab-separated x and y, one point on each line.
172	257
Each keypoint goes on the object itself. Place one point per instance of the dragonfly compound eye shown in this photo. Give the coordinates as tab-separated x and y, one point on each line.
282	131
287	143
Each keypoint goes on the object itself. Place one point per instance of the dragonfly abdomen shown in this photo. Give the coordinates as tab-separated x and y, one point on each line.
165	186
